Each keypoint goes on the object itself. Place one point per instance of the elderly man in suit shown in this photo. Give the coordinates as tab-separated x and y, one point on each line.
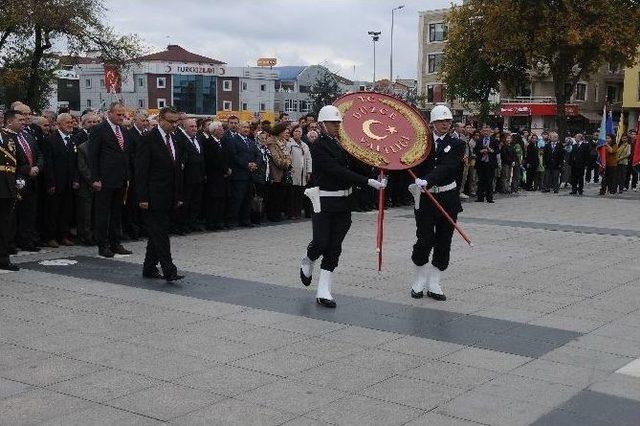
109	164
553	157
194	175
159	187
243	160
486	151
218	172
60	180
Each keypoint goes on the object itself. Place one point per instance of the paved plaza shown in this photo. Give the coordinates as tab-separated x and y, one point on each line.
541	326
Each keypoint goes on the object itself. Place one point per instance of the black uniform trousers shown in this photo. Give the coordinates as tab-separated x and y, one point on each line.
329	230
434	232
192	207
239	203
6	205
108	209
157	224
486	173
577	179
131	221
27	214
59	208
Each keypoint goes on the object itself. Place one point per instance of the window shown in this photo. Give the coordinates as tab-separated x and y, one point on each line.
226	85
161	103
263	107
141	103
140	82
435	93
362	88
263	87
567	90
304	89
195	94
88	103
437	32
102	83
612	93
227	106
87	83
523	89
434	62
161	82
244	85
244	106
305	106
291	105
581	92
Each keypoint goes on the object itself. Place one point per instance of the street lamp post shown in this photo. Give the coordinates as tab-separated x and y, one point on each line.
391	55
375	36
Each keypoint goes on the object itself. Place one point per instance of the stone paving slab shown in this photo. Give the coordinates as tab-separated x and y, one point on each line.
540	316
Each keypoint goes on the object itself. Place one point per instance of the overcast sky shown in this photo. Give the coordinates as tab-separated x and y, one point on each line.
296	32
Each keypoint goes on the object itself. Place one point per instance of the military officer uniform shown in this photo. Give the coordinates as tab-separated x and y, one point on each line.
8	194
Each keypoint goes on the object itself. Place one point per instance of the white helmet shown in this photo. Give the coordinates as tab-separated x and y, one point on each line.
441	112
329	113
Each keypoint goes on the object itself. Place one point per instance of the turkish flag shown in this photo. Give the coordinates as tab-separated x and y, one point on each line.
112	79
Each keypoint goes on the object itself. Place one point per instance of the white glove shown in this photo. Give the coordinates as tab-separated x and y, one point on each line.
421	183
377	184
20	183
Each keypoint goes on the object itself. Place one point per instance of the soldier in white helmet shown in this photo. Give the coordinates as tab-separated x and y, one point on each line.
437	174
331	208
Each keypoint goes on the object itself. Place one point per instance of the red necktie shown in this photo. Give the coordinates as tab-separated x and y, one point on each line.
168	138
120	138
27	149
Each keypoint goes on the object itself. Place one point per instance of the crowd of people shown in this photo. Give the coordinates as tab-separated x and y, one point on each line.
76	177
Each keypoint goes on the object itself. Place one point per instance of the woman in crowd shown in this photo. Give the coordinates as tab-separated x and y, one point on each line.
300	171
279	167
261	178
623	152
609	180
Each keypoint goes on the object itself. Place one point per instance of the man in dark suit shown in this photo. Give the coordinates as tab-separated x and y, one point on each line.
132	222
439	173
9	163
218	172
194	175
243	157
27	208
553	157
84	194
578	158
109	164
486	151
159	185
60	180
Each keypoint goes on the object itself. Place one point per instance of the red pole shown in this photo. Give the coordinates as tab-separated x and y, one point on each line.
380	233
443	211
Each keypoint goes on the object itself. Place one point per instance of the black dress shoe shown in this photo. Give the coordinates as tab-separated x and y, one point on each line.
327	303
33	249
417	295
306	281
435	296
490	201
153	274
247	225
105	252
10	267
174	277
119	249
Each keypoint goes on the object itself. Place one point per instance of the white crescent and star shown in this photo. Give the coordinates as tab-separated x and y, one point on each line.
366	129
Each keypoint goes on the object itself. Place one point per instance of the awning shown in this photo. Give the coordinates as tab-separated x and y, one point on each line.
592	117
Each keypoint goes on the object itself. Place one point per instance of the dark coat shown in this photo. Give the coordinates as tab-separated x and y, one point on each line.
331	172
60	163
240	154
216	164
84	172
494	148
553	158
531	158
158	177
132	142
80	137
108	162
440	168
580	155
10	160
194	166
31	182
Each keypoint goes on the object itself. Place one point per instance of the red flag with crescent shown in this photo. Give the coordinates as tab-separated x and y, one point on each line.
112	79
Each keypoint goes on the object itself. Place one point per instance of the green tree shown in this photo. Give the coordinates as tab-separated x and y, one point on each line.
29	29
568	39
324	91
470	71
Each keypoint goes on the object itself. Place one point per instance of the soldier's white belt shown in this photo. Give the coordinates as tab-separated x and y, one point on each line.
7	169
340	193
416	192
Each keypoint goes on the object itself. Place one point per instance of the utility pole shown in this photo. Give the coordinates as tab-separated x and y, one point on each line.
391	55
375	36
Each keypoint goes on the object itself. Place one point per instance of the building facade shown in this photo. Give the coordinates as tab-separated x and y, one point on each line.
631	95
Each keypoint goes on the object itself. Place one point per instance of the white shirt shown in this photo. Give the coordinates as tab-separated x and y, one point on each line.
193	140
113	126
164	141
64	137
